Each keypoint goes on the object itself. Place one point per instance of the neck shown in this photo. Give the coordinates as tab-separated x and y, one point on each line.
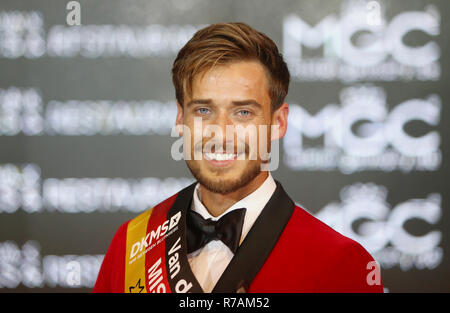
217	203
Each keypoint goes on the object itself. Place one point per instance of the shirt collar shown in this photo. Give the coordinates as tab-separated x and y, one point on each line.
254	203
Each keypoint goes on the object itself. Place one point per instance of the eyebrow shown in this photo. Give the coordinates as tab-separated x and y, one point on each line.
237	102
198	101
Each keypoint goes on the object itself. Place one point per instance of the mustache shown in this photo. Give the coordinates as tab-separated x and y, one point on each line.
208	146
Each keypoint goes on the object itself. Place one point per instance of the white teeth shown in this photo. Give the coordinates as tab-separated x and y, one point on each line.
220	156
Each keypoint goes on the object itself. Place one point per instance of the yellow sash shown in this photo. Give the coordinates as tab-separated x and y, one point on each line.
135	254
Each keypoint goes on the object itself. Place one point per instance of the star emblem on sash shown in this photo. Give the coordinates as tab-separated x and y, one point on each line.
133	289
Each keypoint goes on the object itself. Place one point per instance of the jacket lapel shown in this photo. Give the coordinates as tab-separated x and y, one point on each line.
257	245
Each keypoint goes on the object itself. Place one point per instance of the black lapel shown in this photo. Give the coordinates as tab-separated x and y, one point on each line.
181	204
257	245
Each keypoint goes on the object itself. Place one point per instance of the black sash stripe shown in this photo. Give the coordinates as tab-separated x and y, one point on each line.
181	204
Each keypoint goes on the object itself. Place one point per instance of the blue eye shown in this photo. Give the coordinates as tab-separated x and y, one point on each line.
203	110
244	113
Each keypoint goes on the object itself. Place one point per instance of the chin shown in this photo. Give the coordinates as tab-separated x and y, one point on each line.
222	181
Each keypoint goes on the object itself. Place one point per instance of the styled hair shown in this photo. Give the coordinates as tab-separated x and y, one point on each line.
224	43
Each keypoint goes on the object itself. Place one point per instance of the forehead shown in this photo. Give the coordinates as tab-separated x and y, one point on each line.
244	79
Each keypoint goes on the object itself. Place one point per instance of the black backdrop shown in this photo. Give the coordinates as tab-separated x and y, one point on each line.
86	113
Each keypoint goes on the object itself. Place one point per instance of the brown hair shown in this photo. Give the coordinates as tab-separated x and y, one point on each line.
223	43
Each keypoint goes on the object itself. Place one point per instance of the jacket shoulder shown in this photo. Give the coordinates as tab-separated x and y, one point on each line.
303	223
343	263
310	256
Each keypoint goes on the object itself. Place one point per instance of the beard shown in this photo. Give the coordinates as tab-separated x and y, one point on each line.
225	186
214	182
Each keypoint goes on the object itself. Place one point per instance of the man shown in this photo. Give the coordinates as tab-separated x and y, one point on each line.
235	229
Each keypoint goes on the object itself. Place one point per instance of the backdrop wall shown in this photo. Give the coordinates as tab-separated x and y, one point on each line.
86	113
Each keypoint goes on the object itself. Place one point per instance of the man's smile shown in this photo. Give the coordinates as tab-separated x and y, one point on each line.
221	159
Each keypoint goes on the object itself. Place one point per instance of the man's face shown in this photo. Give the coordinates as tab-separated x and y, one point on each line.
227	100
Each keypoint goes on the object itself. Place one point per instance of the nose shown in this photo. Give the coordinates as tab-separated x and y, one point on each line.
224	133
222	121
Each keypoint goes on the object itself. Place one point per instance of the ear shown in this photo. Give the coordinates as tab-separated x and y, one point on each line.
179	120
280	119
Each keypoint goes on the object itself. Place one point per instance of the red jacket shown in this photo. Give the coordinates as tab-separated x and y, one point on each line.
287	250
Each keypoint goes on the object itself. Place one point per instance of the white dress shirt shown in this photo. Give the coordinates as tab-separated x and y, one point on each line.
208	263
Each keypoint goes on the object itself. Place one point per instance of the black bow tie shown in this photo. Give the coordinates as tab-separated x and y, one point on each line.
228	229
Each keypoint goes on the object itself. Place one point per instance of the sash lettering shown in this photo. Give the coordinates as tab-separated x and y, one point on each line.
155	277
